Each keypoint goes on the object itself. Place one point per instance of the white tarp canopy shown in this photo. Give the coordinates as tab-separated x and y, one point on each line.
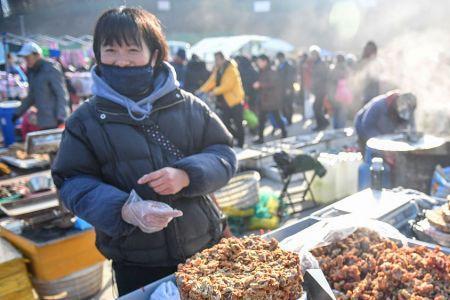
241	44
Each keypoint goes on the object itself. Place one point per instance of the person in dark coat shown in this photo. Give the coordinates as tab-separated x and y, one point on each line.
248	75
304	70
47	89
179	63
319	88
286	71
139	159
385	114
270	96
196	74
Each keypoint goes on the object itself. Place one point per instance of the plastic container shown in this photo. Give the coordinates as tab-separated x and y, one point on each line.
82	224
347	174
352	162
324	189
341	179
7	110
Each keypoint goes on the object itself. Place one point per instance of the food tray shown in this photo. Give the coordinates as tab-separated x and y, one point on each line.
12	190
145	292
31	206
279	234
315	142
25	163
392	207
409	243
23	180
412	243
291	229
10	198
44	141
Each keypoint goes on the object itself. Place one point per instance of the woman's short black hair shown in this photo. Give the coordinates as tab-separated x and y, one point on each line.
127	25
219	54
264	57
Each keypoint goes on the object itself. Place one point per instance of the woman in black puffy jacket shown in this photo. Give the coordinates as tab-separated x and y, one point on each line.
141	138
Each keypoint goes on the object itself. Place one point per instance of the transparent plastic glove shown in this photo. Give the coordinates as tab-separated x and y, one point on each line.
150	216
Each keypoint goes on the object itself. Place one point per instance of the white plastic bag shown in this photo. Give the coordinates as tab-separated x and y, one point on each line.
333	230
166	291
150	216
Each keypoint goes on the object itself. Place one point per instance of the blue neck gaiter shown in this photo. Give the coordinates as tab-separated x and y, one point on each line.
133	82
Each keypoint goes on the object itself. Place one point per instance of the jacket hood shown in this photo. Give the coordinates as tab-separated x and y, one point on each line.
165	83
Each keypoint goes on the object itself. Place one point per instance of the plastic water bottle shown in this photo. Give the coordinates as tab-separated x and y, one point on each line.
376	174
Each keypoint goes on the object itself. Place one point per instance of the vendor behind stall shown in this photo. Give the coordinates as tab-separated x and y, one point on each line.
139	159
47	92
385	114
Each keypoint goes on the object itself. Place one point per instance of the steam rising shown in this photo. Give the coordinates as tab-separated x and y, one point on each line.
419	62
414	50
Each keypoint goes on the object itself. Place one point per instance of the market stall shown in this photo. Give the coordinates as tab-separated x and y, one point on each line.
434	225
60	250
365	259
260	157
386	220
35	155
412	161
45	233
259	280
338	248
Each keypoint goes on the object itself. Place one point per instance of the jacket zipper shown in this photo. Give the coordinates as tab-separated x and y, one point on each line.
179	246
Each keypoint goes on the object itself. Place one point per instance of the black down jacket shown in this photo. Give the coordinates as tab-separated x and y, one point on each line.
104	152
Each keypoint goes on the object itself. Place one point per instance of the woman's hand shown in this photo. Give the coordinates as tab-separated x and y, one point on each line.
256	85
166	181
227	232
149	216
